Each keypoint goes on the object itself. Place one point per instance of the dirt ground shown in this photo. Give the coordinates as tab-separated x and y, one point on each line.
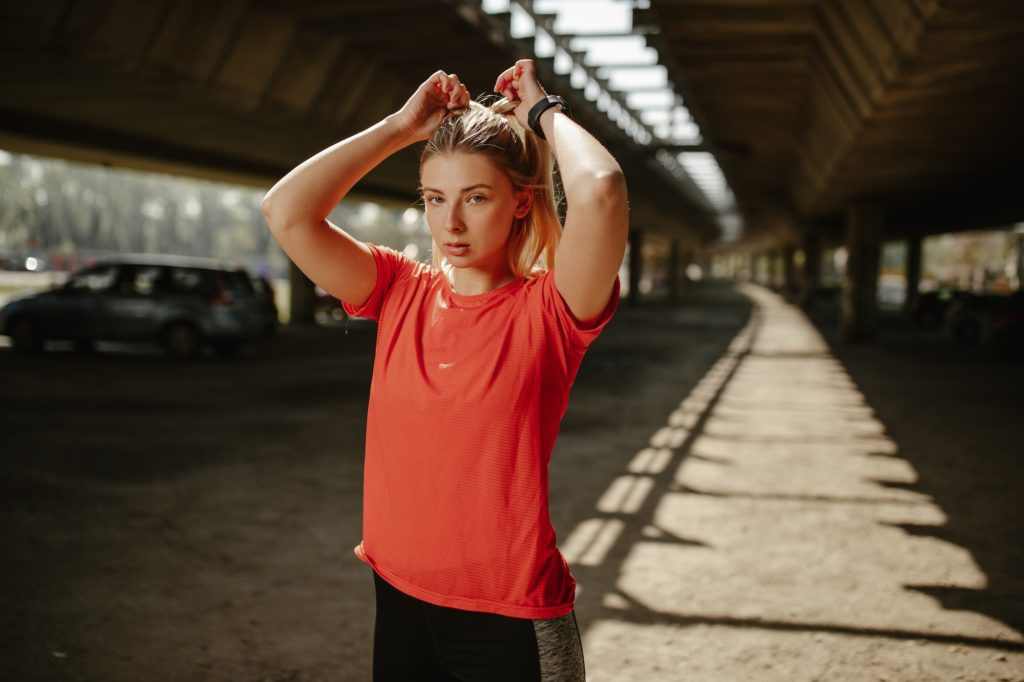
739	498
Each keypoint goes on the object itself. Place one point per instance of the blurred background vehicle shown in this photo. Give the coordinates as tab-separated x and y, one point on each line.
265	295
995	320
181	303
929	308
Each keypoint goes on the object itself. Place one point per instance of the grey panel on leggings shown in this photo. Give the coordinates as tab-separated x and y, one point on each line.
560	649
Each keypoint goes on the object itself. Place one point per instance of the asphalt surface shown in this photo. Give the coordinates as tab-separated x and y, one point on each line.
739	496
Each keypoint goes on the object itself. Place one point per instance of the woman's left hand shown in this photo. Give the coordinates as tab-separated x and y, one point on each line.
519	82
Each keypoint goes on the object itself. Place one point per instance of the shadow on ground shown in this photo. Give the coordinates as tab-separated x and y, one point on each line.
738	497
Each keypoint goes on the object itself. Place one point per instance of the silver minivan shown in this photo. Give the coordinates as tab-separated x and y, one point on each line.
183	303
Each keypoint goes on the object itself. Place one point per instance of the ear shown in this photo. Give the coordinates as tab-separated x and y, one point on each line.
524	202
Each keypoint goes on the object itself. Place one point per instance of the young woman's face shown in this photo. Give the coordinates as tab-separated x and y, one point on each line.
470	205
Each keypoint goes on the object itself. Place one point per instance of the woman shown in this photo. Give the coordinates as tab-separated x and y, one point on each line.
475	358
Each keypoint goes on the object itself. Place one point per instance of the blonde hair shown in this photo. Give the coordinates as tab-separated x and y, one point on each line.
493	131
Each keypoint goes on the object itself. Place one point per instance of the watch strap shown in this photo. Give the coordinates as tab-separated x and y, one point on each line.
542	105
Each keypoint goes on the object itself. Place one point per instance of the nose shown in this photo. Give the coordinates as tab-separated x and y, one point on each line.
453	220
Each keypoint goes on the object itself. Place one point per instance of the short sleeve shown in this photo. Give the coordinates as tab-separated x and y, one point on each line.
392	266
581	335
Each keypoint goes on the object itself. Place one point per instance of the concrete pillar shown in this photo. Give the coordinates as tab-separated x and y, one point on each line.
688	257
1020	261
302	296
789	284
811	272
701	258
636	260
673	270
913	272
860	283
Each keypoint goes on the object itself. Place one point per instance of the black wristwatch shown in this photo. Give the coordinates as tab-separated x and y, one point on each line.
533	118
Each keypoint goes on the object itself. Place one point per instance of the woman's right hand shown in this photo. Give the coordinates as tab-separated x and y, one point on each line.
439	95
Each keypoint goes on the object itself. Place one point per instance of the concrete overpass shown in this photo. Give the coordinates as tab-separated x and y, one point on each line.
833	122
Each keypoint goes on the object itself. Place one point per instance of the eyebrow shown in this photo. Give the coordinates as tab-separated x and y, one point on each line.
464	189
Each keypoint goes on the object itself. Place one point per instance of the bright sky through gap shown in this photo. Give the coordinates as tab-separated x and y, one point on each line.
588	16
621	50
635	77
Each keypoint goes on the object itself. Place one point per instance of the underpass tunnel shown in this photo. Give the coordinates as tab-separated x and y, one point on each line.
842	135
792	455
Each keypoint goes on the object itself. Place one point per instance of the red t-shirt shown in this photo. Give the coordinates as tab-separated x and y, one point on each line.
467	397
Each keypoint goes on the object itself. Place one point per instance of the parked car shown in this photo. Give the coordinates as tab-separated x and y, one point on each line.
929	309
182	303
268	305
990	319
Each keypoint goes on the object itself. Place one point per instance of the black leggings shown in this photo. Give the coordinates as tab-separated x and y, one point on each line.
414	640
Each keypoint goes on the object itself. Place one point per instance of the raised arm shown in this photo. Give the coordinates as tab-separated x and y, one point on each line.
597	214
296	208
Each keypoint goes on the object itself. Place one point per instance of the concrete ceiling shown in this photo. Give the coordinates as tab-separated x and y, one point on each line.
808	104
244	90
814	104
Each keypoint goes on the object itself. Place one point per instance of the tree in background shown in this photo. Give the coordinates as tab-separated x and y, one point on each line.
70	213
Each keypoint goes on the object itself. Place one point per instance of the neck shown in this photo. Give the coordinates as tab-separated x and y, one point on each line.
472	281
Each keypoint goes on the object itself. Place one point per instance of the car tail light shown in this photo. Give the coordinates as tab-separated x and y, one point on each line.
220	298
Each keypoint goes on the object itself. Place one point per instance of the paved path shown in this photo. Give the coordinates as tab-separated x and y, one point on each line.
771	530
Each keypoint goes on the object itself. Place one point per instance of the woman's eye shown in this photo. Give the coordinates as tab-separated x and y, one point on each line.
431	200
481	197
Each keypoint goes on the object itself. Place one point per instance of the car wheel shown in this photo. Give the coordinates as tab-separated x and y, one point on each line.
182	341
25	335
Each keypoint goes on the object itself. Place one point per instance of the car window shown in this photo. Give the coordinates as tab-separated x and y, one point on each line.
98	278
188	280
142	280
240	284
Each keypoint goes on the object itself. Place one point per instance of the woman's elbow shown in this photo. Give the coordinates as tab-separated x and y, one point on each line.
607	196
612	183
606	186
270	211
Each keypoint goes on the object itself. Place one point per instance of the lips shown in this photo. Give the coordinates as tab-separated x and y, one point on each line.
456	248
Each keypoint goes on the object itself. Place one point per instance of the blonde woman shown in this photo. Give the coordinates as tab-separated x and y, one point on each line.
475	357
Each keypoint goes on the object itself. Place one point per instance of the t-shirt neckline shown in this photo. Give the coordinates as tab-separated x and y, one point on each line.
476	299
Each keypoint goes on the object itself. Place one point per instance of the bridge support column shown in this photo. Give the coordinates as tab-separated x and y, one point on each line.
302	296
860	283
673	271
789	284
1020	261
913	272
767	268
636	264
810	274
693	257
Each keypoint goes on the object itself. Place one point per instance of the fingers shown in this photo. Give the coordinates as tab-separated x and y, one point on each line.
449	91
511	81
504	84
